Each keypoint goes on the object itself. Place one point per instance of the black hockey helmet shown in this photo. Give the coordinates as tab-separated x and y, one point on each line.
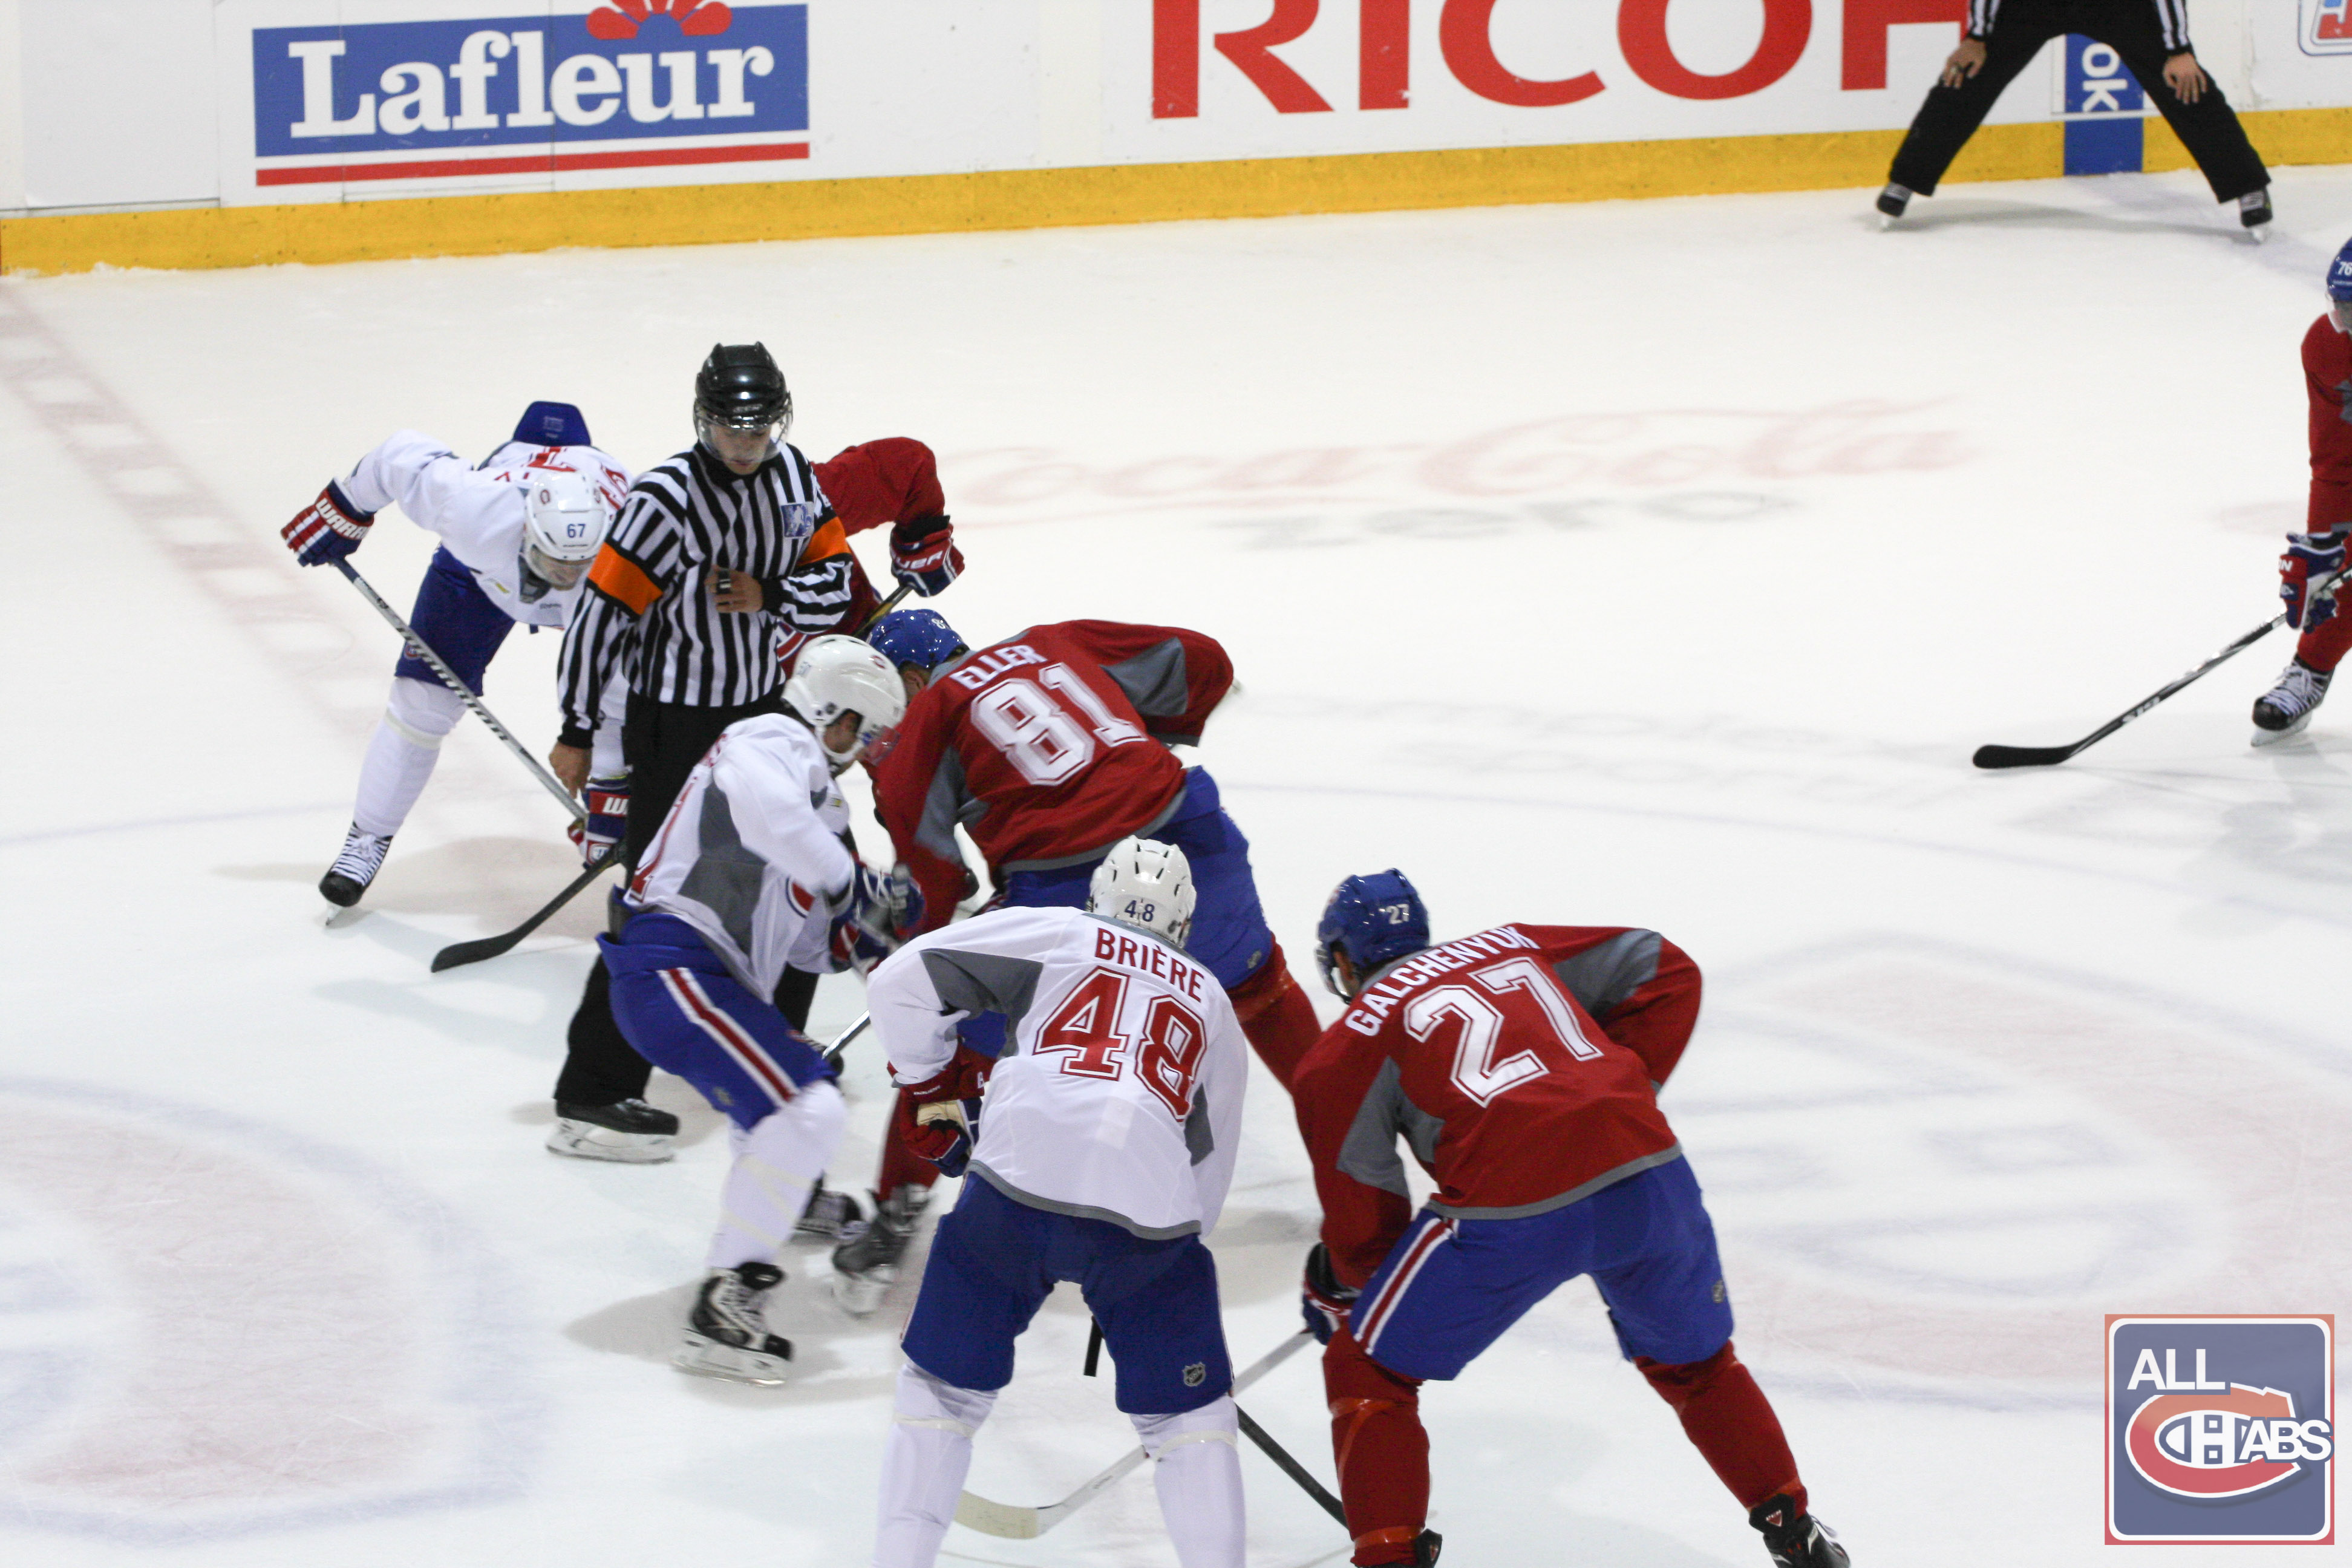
740	387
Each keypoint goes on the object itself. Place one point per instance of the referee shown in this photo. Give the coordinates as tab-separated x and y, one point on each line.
2152	37
715	553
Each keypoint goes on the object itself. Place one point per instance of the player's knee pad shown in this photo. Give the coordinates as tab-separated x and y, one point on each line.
1681	1383
1215	1421
799	1137
423	711
923	1400
1349	1373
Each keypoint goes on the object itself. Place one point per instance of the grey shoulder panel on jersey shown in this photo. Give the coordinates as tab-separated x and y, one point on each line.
983	983
1154	679
1369	1152
1600	978
725	877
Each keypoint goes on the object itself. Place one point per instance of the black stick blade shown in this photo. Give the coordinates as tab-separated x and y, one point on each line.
2021	757
450	957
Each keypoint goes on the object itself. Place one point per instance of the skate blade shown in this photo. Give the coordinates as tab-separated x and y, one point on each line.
2273	737
709	1358
859	1298
584	1142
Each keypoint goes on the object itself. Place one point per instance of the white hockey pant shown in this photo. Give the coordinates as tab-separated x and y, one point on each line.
776	1163
407	742
1197	1471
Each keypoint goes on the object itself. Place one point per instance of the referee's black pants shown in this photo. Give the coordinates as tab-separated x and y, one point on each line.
2208	128
661	741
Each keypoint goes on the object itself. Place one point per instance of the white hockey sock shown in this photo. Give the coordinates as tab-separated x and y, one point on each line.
1197	1470
924	1465
776	1163
401	754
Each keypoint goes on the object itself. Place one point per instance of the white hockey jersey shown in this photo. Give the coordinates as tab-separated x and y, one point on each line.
478	511
751	856
1119	1093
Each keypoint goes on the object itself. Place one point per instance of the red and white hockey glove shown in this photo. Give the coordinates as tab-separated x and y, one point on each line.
2311	558
608	818
923	555
946	1105
1323	1301
327	528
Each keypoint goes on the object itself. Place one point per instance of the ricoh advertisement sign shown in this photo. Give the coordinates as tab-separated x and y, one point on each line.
508	99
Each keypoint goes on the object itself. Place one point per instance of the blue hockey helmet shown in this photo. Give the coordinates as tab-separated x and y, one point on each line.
1372	919
920	637
2340	275
553	425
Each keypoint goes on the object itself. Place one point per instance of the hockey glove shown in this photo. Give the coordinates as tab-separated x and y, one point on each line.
608	818
1323	1301
327	528
2310	558
923	555
946	1105
942	1137
878	914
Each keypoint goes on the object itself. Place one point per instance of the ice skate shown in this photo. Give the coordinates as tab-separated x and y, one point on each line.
1892	201
2254	212
629	1131
354	868
1795	1539
727	1330
865	1269
2285	709
831	1216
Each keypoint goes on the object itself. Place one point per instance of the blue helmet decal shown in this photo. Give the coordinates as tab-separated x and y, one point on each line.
2340	274
920	637
553	425
1372	919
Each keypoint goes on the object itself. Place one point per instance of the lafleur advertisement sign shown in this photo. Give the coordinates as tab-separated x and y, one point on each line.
637	84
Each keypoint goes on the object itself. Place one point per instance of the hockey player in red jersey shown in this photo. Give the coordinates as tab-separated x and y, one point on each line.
1521	1066
1048	748
2317	552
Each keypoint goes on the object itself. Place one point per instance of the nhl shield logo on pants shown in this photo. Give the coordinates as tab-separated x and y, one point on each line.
2221	1429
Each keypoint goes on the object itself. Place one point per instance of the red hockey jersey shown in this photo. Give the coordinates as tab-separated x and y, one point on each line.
2327	378
1520	1065
1046	748
892	481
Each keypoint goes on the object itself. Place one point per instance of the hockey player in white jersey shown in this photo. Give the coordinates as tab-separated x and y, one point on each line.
517	535
1111	1125
748	874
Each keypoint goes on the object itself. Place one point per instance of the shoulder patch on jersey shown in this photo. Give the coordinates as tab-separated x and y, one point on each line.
1154	679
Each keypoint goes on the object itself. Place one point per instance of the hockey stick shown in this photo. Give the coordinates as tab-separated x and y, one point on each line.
1290	1466
474	951
2044	756
833	1053
1016	1523
418	646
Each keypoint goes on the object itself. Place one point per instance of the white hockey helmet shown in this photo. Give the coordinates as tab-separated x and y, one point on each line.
1146	884
565	520
838	675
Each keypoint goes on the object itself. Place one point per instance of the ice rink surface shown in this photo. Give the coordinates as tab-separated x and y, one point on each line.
1653	563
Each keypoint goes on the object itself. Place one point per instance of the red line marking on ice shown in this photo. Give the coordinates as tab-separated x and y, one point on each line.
439	168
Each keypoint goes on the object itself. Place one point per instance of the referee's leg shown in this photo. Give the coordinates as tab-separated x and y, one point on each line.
1951	114
2208	128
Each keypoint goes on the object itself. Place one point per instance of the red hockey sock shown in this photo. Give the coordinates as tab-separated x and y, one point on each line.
901	1166
1382	1453
1730	1423
2324	646
1275	1016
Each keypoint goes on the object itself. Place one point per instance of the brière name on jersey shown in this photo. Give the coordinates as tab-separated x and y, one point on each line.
983	668
1148	957
1375	1003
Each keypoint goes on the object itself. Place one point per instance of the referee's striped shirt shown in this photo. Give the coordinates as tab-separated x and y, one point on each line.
2171	20
682	517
